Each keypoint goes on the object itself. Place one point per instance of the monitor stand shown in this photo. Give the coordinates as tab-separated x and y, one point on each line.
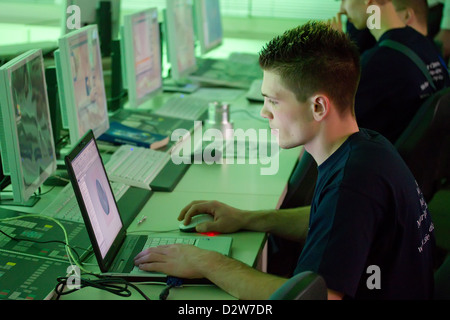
6	199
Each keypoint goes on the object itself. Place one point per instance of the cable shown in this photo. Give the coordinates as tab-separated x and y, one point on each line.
70	256
172	282
117	286
39	241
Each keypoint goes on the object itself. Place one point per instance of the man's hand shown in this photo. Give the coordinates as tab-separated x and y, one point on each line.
226	219
178	260
336	22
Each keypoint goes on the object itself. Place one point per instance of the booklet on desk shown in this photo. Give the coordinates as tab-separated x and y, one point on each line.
122	134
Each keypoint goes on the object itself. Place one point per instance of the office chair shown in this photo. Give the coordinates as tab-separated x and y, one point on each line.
303	286
425	144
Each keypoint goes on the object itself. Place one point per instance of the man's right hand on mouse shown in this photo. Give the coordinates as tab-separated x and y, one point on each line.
226	219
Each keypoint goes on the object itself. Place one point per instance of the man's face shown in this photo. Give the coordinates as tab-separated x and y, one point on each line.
356	11
292	121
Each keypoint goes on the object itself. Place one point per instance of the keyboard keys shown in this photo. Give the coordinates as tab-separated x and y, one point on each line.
136	166
183	107
65	205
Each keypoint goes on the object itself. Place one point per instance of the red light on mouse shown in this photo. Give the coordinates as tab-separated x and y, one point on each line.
210	234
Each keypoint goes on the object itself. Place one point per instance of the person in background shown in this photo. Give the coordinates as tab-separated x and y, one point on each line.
392	87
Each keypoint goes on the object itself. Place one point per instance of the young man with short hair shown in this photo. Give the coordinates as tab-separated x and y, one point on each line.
366	207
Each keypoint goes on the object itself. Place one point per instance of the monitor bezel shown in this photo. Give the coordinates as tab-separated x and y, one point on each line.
200	19
128	53
171	38
12	166
69	109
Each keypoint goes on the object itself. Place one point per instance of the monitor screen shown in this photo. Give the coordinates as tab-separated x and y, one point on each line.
180	37
80	83
97	196
141	48
208	24
27	146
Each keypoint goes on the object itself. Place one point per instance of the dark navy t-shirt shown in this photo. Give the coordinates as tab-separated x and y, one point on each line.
370	233
392	87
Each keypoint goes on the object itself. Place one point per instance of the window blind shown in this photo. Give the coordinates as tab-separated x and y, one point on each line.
300	9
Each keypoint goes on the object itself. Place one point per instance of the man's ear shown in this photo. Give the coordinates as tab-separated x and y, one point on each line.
409	16
321	107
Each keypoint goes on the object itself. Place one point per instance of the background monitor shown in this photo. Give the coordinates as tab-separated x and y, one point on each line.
80	83
208	24
27	147
180	38
141	56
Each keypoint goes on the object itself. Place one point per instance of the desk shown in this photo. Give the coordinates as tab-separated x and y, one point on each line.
162	211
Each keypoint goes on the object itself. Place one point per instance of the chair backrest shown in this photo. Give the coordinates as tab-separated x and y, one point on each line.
425	144
303	286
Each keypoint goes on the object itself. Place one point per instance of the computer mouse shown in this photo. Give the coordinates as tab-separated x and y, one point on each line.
195	220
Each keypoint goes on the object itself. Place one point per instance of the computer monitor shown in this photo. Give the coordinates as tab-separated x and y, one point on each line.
180	38
141	56
26	137
208	24
80	83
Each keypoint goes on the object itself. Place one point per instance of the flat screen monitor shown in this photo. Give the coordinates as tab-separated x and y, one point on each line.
80	83
180	38
208	24
141	56
27	146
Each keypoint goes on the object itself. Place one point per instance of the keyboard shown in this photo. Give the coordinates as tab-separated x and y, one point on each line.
136	166
183	107
66	207
227	73
161	241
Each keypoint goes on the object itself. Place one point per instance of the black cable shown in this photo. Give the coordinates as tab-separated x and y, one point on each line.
117	286
172	282
121	95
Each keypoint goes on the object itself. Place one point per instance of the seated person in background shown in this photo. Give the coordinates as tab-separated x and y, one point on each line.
366	206
392	87
413	13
